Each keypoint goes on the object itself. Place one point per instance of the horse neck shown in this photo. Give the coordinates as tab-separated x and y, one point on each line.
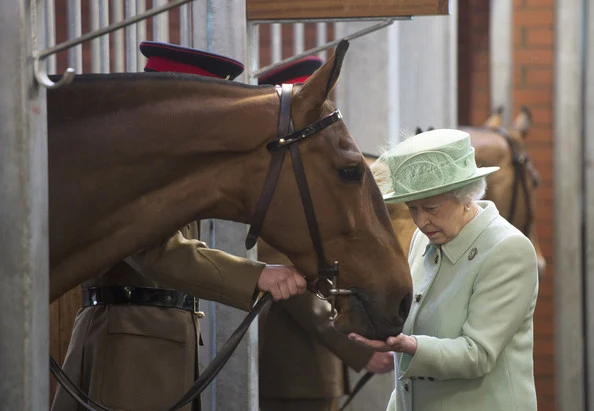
192	142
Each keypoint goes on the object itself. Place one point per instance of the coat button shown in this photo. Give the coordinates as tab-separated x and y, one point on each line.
418	297
405	385
472	253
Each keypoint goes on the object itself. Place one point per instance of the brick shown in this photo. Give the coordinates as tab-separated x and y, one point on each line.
519	34
534	18
542	118
538	76
539	3
539	57
533	98
537	37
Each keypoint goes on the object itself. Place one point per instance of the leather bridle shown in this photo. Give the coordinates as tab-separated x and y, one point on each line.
522	167
324	286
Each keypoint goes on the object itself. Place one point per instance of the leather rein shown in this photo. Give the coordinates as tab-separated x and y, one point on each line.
324	286
522	166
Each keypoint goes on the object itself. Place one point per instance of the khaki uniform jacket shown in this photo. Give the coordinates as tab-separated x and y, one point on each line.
472	318
141	357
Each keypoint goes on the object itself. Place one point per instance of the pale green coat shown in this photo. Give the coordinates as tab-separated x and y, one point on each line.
472	321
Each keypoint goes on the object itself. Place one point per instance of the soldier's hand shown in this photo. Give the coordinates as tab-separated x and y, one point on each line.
380	362
281	281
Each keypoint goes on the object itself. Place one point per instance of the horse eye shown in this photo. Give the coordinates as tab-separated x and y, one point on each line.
353	173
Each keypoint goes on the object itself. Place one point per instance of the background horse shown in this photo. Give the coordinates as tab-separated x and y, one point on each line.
133	157
512	188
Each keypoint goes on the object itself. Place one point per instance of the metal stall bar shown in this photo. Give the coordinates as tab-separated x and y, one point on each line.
74	32
24	261
140	35
298	40
185	25
50	32
119	63
322	38
161	23
131	39
501	56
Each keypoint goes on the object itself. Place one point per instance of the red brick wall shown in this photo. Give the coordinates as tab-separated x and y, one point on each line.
533	48
533	86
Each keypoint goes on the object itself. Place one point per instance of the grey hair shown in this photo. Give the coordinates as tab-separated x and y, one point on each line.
470	192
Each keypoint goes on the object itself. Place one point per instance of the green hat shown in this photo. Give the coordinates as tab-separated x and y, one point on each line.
431	163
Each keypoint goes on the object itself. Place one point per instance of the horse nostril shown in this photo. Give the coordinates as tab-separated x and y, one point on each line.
405	307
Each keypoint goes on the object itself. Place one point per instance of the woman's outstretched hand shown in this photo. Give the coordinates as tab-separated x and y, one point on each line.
400	343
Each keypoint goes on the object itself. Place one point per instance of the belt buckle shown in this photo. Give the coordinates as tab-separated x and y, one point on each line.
199	314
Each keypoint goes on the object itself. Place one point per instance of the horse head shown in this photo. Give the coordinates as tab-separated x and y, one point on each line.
133	157
353	222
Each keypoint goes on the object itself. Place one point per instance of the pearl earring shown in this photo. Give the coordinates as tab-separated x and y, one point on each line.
466	208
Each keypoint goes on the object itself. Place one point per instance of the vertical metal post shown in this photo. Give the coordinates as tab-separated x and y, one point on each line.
276	42
568	206
119	61
185	25
298	38
501	56
131	38
321	38
94	7
589	197
50	32
161	23
24	334
226	34
141	35
75	30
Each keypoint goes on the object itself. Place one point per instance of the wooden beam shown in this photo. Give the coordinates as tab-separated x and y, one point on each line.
342	9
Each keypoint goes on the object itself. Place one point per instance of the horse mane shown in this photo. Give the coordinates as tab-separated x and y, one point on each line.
156	76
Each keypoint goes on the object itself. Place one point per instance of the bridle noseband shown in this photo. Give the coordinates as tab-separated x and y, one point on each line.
324	286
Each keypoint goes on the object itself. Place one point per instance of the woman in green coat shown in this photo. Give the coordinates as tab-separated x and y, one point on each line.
468	341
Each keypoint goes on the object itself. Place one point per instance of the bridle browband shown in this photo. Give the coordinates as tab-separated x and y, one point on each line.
324	286
522	165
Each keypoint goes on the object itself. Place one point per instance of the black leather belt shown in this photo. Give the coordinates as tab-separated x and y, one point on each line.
130	295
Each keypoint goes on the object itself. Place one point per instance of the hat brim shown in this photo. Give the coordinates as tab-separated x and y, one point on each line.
418	195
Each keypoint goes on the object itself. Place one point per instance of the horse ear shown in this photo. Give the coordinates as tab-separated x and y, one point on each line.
496	118
319	85
523	121
418	130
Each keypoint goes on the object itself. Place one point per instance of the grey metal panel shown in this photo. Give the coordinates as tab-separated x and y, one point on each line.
589	190
24	334
236	387
568	210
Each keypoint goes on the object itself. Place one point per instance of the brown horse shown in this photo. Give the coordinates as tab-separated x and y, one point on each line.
511	188
133	157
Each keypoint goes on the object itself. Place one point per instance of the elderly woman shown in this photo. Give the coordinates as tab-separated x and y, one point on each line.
468	340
